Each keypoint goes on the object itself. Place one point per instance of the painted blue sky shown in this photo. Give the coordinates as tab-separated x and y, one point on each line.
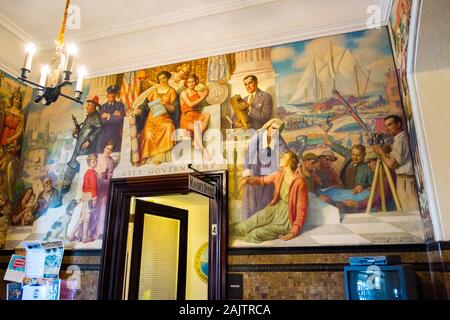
351	41
370	48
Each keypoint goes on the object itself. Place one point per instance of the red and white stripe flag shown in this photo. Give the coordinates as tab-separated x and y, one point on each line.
130	88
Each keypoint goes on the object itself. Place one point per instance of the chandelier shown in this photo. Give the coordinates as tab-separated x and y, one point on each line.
56	74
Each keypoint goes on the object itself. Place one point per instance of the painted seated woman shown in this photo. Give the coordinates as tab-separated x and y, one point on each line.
190	113
284	217
156	139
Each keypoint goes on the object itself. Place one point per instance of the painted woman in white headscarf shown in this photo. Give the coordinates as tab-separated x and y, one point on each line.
262	159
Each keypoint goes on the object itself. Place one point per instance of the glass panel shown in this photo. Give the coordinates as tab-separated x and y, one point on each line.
159	259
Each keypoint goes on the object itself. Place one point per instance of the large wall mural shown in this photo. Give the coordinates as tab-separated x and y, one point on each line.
400	24
14	101
300	128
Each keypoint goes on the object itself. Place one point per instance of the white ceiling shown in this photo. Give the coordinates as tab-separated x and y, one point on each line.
145	33
108	16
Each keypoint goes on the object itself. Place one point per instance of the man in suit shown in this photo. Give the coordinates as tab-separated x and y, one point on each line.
258	105
86	135
112	114
355	173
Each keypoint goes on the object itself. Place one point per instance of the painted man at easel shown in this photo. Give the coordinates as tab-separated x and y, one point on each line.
399	159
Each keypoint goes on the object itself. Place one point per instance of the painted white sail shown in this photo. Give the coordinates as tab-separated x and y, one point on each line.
306	88
337	70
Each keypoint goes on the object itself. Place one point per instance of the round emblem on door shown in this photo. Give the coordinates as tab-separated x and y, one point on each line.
201	262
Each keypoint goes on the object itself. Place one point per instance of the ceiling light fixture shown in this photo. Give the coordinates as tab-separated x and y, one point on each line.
57	73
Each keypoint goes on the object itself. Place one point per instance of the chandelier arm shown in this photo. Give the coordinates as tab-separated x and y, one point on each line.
70	98
31	82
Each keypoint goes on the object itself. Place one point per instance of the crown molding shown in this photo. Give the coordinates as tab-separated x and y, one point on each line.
8	68
223	46
16	30
162	20
386	11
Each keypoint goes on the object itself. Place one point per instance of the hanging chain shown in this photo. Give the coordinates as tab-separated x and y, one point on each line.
62	29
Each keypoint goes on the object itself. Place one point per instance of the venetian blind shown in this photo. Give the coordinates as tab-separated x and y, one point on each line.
159	259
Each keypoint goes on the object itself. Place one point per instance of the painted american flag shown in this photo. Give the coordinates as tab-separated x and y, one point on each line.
130	89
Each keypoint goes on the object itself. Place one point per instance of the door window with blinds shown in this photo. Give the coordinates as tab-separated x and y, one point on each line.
157	269
159	258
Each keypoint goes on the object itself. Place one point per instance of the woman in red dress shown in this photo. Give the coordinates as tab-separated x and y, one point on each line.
14	123
156	139
190	114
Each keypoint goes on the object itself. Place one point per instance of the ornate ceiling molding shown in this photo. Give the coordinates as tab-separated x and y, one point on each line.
16	30
223	46
5	66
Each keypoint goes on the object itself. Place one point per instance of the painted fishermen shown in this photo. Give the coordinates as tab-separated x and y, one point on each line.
355	173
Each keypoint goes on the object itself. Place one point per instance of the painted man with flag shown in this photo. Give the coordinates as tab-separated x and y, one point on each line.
112	114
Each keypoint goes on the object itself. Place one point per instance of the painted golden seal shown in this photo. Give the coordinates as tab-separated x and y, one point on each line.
201	262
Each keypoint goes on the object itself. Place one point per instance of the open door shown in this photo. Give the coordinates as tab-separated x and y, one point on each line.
112	284
159	252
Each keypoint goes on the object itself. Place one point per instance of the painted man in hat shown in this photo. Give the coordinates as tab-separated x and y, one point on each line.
86	135
360	206
112	114
328	175
262	159
307	168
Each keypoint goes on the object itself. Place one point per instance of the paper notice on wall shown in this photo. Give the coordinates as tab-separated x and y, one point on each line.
14	291
41	289
35	259
16	269
43	260
54	252
34	292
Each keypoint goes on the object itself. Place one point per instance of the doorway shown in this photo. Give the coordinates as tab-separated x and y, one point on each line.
157	265
113	274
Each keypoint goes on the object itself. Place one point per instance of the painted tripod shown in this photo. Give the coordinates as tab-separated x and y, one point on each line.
378	178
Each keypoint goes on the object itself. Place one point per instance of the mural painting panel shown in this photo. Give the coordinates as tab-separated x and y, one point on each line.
14	100
69	154
301	129
340	181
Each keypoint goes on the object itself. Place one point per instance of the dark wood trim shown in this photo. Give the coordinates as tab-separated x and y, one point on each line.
329	249
438	245
116	227
143	207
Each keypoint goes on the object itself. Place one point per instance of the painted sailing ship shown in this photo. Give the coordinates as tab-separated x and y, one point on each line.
337	70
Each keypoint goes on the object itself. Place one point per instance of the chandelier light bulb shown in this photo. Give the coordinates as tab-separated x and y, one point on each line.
72	49
81	74
30	50
45	70
71	52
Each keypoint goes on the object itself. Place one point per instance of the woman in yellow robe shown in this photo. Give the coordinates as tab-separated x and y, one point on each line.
156	139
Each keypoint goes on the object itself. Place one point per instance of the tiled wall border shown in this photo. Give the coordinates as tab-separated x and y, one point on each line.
329	249
331	267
